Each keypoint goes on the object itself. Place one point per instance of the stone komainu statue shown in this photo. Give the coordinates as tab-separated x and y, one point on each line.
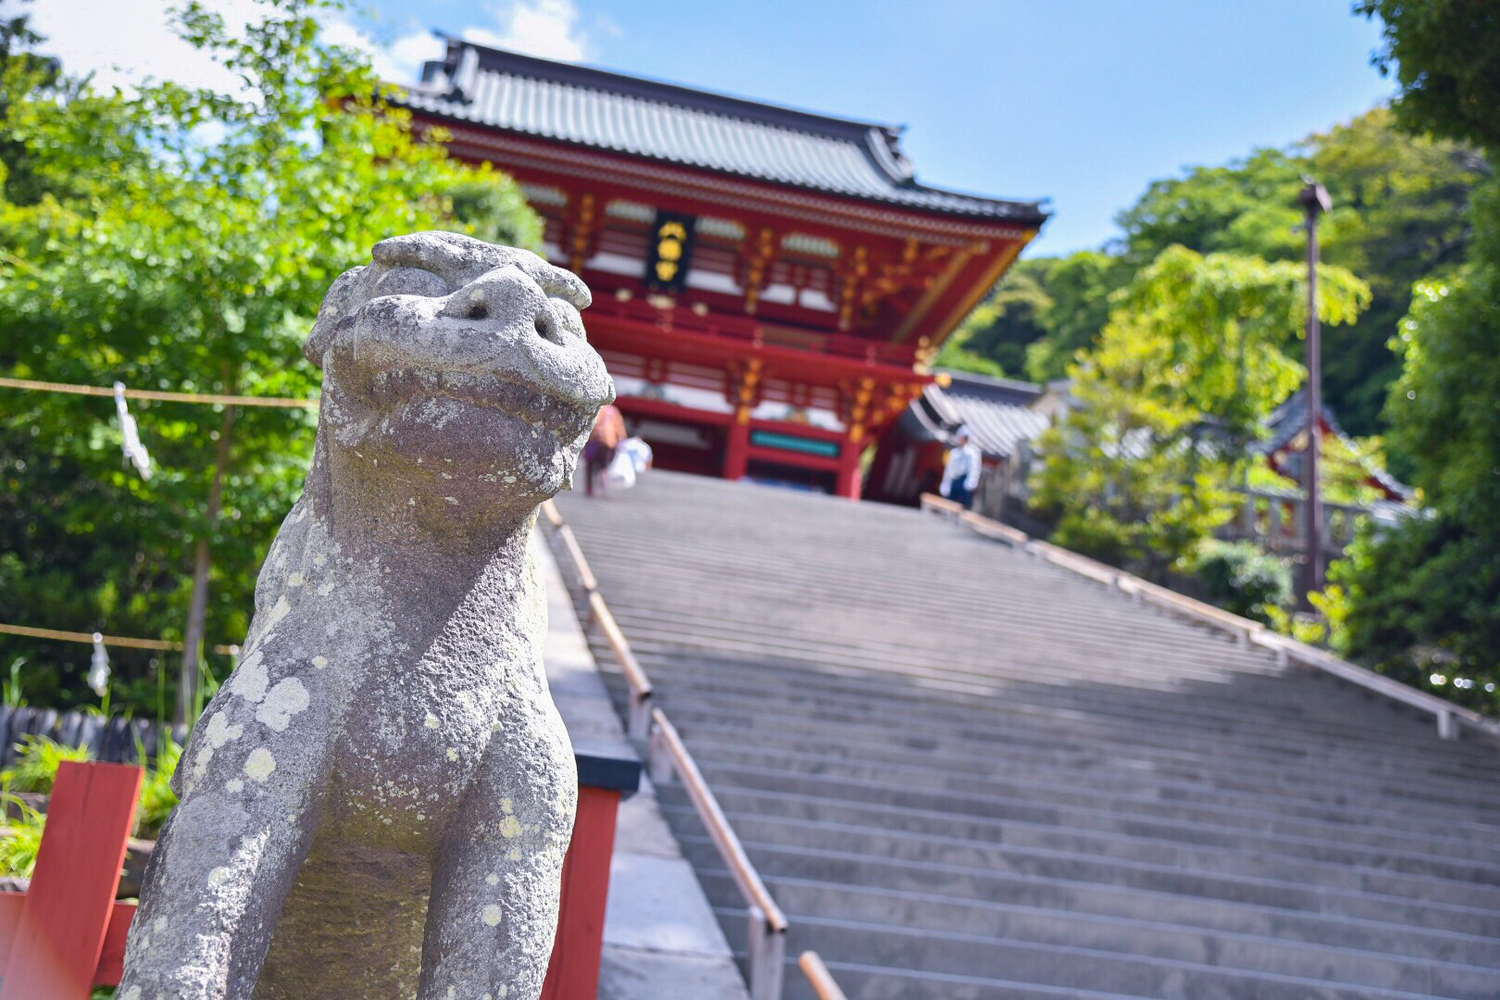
377	802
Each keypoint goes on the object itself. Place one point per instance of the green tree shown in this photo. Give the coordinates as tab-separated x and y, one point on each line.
1398	217
1443	55
1424	598
1080	286
1421	602
1166	403
993	338
181	239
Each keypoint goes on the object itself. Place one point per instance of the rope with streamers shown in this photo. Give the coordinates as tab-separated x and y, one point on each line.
207	398
97	638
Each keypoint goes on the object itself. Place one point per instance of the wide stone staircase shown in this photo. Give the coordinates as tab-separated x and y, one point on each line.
967	773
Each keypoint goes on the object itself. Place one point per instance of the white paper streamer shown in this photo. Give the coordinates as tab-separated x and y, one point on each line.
134	450
99	667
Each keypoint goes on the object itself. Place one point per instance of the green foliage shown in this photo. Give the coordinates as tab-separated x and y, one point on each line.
36	770
37	758
1421	602
1139	471
1398	217
1426	596
1081	287
22	841
182	239
157	798
993	338
1239	577
1443	54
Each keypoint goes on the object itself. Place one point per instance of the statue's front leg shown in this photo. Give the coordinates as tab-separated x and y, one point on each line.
498	876
252	784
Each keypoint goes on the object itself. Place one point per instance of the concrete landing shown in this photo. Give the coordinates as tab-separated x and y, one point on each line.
661	941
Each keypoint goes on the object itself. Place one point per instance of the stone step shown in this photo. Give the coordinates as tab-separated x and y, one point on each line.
1395	873
1357	952
964	882
1272	736
1012	782
1190	873
1119	793
1038	750
869	725
1071	966
1187	825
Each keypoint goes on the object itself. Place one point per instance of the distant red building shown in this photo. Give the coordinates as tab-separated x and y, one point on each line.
768	283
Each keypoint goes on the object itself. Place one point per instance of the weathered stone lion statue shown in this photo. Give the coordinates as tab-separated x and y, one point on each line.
376	804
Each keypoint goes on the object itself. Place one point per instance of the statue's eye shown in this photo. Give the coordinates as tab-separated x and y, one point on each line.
411	281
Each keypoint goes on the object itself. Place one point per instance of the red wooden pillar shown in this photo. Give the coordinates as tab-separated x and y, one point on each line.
574	971
737	445
847	479
58	938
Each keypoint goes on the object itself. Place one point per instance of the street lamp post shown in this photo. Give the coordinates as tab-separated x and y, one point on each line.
1314	198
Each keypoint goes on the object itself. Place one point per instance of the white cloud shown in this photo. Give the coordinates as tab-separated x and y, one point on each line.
399	62
123	42
545	28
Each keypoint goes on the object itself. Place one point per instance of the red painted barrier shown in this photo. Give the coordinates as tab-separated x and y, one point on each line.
68	933
574	971
54	946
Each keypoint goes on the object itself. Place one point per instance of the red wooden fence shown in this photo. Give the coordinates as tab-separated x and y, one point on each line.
67	934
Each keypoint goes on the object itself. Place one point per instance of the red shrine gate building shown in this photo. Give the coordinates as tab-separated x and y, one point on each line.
769	284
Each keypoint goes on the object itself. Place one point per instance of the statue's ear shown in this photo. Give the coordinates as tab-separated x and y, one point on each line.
336	305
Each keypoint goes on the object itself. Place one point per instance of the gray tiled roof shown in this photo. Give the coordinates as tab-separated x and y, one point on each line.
997	411
1290	419
660	121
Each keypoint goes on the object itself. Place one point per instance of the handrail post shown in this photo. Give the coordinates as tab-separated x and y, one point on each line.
638	723
1447	725
765	956
659	758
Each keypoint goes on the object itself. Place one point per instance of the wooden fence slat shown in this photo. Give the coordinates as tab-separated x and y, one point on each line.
68	911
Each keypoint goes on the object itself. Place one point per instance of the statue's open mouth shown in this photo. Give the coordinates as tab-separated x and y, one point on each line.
504	394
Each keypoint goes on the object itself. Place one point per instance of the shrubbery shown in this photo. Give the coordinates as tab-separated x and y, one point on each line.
1239	577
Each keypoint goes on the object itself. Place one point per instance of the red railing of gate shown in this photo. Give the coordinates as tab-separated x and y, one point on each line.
67	934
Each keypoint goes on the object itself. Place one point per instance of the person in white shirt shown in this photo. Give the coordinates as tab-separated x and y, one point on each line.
961	474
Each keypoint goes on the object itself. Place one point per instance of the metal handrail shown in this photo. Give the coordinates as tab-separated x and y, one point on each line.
766	942
638	721
586	578
811	964
1449	716
668	757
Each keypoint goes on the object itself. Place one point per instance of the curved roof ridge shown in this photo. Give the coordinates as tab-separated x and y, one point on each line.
615	82
671	123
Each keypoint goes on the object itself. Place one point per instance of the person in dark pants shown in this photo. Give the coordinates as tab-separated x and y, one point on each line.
961	474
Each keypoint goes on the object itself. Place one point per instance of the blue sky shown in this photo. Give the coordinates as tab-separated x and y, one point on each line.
1080	101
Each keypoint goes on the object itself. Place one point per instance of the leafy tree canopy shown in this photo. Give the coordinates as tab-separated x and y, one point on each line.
1443	55
1398	217
1422	602
181	239
1166	403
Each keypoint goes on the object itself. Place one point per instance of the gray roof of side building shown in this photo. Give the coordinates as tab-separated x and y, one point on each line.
1290	419
661	121
997	411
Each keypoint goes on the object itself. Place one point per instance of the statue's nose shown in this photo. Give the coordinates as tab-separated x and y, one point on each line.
503	298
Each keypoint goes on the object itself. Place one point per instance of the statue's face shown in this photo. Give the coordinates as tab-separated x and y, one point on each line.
455	366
